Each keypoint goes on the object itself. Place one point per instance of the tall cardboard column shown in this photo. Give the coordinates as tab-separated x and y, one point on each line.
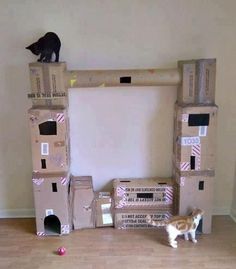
195	139
48	121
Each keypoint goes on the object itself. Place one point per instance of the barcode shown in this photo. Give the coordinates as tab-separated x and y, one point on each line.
44	149
130	200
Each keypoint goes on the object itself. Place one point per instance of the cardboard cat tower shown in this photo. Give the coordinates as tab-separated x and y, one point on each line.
195	80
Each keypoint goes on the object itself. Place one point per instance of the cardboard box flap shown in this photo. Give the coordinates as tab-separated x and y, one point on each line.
141	182
50	175
41	115
82	182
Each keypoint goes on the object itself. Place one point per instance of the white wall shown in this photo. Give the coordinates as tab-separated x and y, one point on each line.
125	131
233	208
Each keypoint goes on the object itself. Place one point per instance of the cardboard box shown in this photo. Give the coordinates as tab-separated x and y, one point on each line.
195	157
48	84
52	203
136	218
143	192
194	142
198	82
49	139
104	214
82	201
186	93
196	192
195	120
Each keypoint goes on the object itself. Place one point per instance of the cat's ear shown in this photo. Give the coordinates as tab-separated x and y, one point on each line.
30	47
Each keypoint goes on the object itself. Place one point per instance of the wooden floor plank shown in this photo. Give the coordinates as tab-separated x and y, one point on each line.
105	248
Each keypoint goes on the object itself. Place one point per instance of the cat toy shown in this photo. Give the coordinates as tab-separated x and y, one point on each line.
61	251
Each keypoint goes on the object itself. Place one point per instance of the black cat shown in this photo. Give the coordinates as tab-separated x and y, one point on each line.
46	46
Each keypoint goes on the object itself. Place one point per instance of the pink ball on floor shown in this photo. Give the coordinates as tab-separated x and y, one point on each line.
61	251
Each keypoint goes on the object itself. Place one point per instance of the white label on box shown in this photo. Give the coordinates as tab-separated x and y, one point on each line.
105	207
106	218
49	212
185	117
202	130
44	148
189	140
106	215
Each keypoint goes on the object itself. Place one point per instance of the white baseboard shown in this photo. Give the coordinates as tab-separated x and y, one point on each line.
17	213
233	214
30	213
221	211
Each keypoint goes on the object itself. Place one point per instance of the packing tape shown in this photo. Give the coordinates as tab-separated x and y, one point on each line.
59	144
72	82
184	117
65	229
102	85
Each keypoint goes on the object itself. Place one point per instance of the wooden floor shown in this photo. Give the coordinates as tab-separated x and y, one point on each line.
111	248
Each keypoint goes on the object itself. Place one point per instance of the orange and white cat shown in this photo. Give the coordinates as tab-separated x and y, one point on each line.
180	225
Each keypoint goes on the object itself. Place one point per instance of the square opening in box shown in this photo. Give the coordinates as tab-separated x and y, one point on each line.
48	128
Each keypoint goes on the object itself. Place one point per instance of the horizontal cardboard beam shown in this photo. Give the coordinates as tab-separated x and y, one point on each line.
119	78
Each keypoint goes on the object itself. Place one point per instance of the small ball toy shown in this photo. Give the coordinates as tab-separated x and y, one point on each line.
61	251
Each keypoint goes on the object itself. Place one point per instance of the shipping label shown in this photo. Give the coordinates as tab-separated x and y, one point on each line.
44	148
49	212
189	140
202	130
107	218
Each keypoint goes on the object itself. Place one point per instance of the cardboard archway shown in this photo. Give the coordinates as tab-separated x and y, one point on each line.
52	225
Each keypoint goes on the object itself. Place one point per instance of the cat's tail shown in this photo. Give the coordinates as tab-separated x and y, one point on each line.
156	223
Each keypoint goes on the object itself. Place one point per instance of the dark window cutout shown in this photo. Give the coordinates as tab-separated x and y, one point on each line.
125	181
201	185
192	162
54	187
125	80
145	195
48	128
43	164
198	119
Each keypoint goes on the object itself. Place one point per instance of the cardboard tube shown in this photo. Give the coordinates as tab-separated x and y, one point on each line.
119	78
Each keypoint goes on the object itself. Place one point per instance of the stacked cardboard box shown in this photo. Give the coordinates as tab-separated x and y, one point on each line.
48	84
52	203
195	139
49	139
134	199
82	202
48	121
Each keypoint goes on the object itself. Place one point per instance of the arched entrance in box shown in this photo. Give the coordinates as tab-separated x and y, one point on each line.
52	225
